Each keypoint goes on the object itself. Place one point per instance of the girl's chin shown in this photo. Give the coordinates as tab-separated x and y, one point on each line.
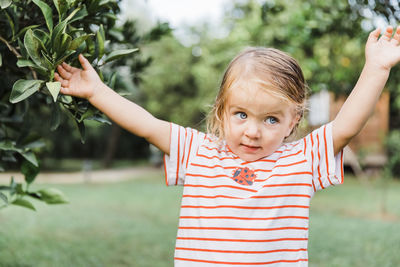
250	156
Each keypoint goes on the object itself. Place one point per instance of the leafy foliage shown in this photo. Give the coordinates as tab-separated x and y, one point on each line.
35	37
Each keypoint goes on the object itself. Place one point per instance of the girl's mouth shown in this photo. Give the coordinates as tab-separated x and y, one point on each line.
250	149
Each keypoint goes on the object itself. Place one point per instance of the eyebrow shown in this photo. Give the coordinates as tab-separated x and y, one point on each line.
278	112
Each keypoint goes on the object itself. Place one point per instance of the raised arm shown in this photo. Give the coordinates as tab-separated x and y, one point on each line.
85	83
381	54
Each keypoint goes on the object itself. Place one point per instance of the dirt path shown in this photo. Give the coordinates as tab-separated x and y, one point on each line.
98	176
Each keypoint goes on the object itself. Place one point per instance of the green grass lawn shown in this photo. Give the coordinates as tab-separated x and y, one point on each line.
134	224
347	227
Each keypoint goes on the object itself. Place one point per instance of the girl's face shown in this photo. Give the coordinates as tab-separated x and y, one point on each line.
257	122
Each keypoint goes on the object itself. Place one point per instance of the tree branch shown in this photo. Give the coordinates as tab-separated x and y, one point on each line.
11	48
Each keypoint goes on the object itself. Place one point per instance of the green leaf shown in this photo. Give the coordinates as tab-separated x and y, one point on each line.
105	2
111	16
43	38
100	42
52	196
67	99
30	156
22	32
113	79
23	203
119	54
71	16
62	59
8	146
65	43
5	3
91	49
89	113
35	145
100	119
55	117
24	53
54	88
25	63
47	13
62	7
9	156
56	35
11	22
117	34
78	41
23	89
46	61
30	171
82	131
80	14
32	46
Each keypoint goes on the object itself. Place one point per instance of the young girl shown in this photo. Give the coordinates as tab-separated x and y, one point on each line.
246	191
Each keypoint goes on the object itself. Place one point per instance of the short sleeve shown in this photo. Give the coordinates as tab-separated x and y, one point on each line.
184	143
327	168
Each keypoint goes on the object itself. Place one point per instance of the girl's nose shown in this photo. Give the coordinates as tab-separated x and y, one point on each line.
252	130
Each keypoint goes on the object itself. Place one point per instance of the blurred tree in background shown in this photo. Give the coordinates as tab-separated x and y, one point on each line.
326	37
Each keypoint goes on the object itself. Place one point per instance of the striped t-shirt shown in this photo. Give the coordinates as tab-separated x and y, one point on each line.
238	213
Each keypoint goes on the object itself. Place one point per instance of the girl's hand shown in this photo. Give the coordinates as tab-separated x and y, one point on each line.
383	52
81	83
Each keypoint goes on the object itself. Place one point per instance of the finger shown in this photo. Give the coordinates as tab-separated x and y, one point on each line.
388	33
374	35
65	83
396	35
63	72
66	66
84	62
69	68
64	91
57	77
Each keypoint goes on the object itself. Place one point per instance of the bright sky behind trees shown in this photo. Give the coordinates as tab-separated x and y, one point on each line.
180	12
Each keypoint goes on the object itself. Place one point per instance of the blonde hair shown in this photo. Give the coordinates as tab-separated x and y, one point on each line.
269	69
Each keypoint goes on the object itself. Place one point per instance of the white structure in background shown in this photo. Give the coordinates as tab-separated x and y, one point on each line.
319	108
319	114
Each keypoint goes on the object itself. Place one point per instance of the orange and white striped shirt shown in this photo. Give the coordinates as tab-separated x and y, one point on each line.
242	213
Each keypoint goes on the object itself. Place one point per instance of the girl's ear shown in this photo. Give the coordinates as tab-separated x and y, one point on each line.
293	124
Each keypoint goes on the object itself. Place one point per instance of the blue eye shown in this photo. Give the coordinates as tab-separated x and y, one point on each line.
241	115
271	120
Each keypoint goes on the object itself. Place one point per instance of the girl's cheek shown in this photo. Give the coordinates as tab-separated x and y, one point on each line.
233	120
